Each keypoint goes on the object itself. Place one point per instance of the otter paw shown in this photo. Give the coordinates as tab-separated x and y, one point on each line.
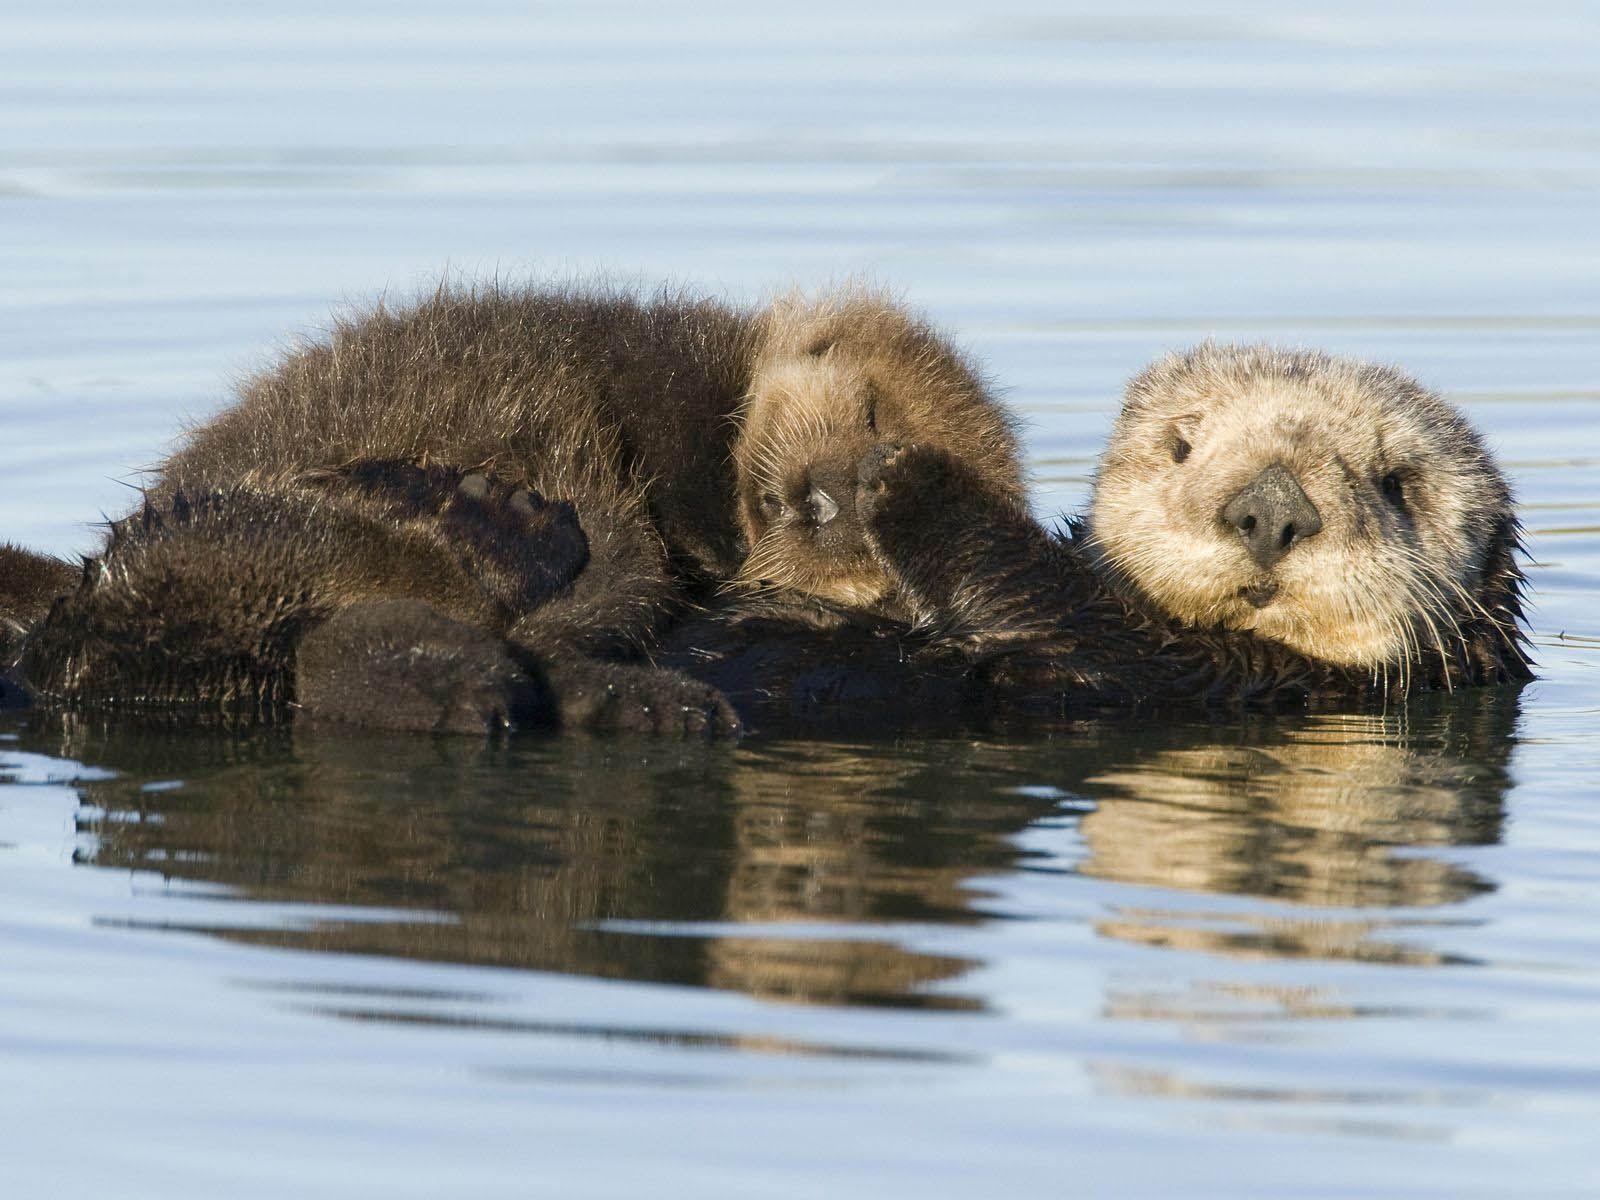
521	548
874	475
910	486
626	698
398	664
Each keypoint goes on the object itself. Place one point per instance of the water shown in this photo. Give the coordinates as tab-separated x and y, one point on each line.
1343	956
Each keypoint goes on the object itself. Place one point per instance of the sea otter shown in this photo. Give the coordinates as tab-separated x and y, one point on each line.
1336	507
1282	476
560	472
1267	527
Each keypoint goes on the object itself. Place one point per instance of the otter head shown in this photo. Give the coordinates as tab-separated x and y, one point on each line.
1337	507
834	377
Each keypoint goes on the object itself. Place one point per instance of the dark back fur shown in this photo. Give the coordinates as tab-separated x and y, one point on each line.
29	584
603	399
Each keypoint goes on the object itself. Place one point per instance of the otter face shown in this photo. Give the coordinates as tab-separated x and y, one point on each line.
1334	506
834	378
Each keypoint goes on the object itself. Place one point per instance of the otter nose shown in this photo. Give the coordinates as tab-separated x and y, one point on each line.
830	494
823	508
1272	514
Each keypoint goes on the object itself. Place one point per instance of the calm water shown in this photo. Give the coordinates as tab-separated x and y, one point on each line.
1347	956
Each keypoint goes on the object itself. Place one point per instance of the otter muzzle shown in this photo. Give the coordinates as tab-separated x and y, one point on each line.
1273	515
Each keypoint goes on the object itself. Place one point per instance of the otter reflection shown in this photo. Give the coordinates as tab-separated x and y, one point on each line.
604	859
1327	813
704	865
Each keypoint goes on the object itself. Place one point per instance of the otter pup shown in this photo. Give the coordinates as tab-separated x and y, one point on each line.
1267	526
437	463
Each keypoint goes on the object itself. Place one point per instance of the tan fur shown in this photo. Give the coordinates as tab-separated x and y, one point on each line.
1384	582
832	377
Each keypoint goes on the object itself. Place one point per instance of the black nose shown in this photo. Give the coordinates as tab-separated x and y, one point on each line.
821	506
1272	514
830	493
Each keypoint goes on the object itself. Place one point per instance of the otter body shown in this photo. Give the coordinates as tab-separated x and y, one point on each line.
1344	538
1268	527
554	473
621	408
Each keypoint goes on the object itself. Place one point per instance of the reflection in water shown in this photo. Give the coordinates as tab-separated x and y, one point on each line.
572	855
643	860
1285	1107
1313	817
1329	813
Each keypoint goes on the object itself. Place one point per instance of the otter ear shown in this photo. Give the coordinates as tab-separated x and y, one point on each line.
1497	640
820	345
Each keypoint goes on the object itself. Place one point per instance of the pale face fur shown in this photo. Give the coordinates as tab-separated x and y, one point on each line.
834	377
1410	502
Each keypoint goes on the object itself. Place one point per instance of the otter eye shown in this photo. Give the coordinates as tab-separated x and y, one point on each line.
872	415
1180	450
1394	490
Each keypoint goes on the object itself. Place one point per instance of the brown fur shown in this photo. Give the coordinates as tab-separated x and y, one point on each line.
1005	618
207	596
834	379
672	437
28	586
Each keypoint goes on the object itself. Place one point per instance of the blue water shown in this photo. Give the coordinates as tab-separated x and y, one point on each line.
1320	957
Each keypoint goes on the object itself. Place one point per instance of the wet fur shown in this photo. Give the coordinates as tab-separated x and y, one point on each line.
29	584
372	485
834	381
1005	618
208	596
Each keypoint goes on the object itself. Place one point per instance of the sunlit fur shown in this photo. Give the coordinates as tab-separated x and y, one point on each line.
833	377
1395	577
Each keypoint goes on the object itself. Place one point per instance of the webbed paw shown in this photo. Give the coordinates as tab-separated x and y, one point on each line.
523	548
931	521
